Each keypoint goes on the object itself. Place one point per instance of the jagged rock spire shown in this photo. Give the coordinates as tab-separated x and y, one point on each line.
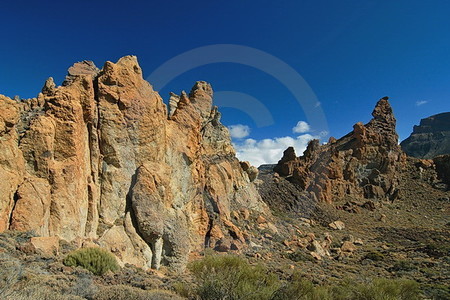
363	163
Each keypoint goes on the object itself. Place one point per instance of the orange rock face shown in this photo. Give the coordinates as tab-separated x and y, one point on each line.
100	158
362	164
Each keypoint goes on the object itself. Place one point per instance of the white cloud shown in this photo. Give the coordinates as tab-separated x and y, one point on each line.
421	102
301	127
270	151
239	131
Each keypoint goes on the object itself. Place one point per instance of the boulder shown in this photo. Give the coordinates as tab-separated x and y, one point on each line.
46	245
348	246
337	225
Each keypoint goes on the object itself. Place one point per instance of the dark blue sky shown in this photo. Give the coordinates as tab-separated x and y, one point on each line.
351	53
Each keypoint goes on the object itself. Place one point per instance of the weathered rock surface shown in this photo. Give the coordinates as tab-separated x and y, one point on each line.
363	164
430	139
442	165
101	159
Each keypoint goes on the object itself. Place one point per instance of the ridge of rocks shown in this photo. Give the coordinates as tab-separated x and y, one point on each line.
362	164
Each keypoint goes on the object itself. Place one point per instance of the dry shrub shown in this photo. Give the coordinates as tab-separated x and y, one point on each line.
124	292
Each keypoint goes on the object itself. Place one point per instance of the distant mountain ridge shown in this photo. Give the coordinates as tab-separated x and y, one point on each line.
430	139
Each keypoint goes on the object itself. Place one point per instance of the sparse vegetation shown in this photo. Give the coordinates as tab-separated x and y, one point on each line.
124	292
374	255
403	265
19	283
377	289
437	250
302	289
96	260
300	255
231	277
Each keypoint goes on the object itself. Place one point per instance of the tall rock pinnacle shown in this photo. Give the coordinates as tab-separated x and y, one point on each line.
363	163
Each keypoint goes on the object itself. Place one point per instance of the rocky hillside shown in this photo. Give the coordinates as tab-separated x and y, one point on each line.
358	207
430	139
100	160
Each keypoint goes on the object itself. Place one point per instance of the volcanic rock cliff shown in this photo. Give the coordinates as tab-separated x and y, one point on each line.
430	139
101	160
362	165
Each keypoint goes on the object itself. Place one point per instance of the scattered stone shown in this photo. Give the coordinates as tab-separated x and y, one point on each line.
349	238
358	242
369	205
348	246
351	207
337	225
272	228
316	247
46	245
261	220
223	245
254	245
245	213
268	236
310	236
316	255
303	242
328	237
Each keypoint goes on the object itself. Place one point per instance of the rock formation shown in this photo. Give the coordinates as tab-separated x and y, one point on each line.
100	160
430	139
363	164
442	166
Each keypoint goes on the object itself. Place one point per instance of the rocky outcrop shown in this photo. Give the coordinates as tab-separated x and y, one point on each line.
101	160
430	139
442	166
363	164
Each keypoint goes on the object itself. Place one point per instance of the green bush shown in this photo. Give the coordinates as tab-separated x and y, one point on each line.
403	265
299	256
436	291
231	277
96	260
375	256
300	288
378	289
